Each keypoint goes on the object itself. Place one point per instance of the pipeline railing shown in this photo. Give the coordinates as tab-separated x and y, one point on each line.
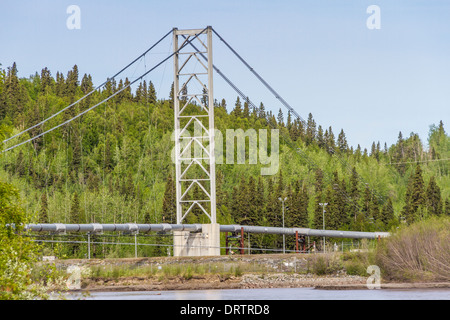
61	228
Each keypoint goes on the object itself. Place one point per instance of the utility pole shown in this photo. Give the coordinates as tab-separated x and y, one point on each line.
282	201
323	205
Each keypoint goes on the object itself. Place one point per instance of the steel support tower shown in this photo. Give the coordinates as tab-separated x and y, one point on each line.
194	125
193	104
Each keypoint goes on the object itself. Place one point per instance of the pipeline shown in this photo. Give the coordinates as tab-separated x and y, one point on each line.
133	228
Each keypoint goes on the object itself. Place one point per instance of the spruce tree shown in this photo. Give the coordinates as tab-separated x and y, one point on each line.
320	137
169	207
237	111
415	201
43	212
387	214
330	141
246	111
272	207
171	96
354	194
262	111
46	80
86	84
251	198
280	118
72	83
75	210
433	198
310	130
342	142
289	121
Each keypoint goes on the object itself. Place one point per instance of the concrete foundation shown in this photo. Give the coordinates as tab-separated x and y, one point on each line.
205	243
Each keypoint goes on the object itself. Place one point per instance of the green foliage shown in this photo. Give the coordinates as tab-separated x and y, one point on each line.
419	252
113	165
17	253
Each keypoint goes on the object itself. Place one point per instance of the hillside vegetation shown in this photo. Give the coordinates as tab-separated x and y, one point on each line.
113	164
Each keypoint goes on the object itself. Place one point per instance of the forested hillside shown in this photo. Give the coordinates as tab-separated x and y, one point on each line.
113	164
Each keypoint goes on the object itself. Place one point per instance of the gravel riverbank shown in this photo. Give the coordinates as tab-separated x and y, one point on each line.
222	272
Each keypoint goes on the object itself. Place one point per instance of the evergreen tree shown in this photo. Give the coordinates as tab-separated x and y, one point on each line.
14	95
399	154
318	181
320	137
329	140
121	94
332	209
280	118
237	111
234	205
72	83
184	93
387	214
272	207
310	130
46	80
171	96
433	198
86	84
20	164
298	210
197	215
223	105
169	207
260	200
76	152
246	111
342	142
127	96
289	121
151	92
251	198
75	210
354	194
43	212
415	197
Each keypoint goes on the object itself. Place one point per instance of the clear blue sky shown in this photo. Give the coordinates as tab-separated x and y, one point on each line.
319	55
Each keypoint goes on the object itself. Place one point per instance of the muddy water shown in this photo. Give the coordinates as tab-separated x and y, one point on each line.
275	294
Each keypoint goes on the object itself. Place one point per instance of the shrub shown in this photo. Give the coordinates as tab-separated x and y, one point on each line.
323	264
418	252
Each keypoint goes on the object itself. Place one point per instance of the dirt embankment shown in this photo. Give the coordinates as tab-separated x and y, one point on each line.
239	272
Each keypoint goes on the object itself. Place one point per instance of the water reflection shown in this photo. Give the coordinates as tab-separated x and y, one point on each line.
275	294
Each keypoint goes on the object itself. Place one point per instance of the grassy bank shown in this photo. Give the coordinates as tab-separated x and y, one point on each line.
416	253
222	267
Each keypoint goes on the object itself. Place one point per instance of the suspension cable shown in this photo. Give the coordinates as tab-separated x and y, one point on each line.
88	94
106	99
273	125
278	96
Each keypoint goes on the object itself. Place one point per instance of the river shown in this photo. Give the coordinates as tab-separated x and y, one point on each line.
275	294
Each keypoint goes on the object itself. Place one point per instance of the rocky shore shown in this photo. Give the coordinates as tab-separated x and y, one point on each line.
249	281
245	281
264	271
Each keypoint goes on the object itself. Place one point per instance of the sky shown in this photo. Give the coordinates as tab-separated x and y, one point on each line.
320	56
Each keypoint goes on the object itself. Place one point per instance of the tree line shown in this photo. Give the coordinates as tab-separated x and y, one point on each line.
113	164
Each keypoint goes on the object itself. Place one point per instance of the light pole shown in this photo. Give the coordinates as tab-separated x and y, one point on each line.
323	205
282	201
